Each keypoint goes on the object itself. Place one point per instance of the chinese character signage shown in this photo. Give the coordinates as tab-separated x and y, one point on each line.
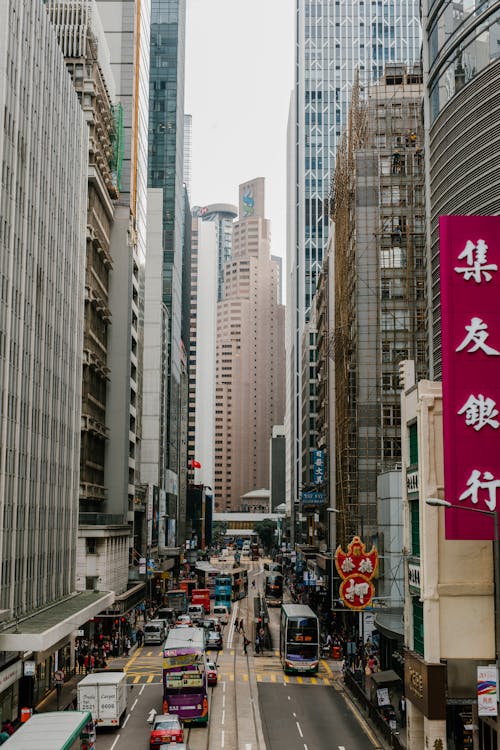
470	328
318	460
487	697
356	567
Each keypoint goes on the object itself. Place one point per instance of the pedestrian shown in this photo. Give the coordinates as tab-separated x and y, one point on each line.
81	662
402	710
236	625
59	682
253	583
126	646
86	663
140	637
242	629
246	643
257	644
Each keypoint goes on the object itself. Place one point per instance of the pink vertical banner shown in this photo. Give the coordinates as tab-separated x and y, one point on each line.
470	334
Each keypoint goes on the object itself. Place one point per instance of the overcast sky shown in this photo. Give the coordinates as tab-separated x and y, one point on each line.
239	75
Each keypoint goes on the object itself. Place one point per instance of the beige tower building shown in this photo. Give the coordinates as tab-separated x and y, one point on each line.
250	356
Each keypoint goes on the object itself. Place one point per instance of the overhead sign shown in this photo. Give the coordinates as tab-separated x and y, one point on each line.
356	567
470	335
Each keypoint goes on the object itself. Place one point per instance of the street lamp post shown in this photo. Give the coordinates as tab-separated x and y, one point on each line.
436	502
330	544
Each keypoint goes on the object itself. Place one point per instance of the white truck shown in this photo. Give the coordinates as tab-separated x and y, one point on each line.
104	694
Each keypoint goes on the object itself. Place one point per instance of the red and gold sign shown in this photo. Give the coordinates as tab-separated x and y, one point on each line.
356	567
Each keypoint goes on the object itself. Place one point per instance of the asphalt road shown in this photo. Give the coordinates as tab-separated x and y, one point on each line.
309	717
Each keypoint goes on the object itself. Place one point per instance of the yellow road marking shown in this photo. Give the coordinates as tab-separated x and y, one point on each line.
273	678
136	679
326	680
314	680
286	678
258	678
245	678
326	666
150	678
300	680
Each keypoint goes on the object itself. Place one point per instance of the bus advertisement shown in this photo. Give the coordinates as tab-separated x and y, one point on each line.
299	639
185	675
55	730
273	591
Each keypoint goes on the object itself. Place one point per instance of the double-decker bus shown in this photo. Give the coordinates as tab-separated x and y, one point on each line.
223	590
188	585
177	600
239	583
254	551
299	639
185	675
274	589
55	730
206	574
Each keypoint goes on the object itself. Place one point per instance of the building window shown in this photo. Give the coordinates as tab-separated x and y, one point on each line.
90	546
415	528
413	440
418	626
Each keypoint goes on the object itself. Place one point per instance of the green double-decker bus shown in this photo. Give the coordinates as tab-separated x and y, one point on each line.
56	730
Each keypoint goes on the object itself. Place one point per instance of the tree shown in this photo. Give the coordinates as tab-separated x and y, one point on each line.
219	528
265	529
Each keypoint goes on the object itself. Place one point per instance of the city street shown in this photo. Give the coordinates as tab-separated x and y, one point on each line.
254	706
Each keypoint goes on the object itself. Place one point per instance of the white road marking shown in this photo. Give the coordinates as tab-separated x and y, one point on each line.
288	696
300	730
134	704
294	715
114	743
305	746
222	739
142	689
223	701
223	687
341	747
248	746
125	722
223	719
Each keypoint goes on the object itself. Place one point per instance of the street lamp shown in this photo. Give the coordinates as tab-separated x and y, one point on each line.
330	511
436	502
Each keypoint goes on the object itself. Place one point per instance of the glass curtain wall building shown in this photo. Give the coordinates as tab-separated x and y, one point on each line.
334	40
165	167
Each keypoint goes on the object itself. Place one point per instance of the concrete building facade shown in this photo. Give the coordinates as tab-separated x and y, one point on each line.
249	377
43	152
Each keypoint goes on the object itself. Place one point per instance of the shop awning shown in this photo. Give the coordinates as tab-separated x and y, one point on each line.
45	629
385	678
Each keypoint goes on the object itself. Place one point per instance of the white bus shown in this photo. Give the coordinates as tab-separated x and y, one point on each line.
299	639
58	730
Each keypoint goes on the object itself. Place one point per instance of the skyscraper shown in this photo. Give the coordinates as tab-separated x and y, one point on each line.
334	40
165	168
249	376
43	204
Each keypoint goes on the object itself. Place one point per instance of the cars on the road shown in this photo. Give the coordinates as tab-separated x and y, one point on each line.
212	673
196	612
222	613
183	621
213	639
211	623
165	729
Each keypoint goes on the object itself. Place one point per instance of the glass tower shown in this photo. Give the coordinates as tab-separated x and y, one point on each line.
165	167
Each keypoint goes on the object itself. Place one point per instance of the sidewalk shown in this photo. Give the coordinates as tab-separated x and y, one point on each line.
68	693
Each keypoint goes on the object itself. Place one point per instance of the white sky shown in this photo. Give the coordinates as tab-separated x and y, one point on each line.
239	75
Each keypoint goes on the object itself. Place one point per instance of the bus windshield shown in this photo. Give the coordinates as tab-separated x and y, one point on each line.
297	652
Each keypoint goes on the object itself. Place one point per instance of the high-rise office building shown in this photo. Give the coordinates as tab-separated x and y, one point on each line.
165	171
249	376
334	40
223	216
44	154
126	25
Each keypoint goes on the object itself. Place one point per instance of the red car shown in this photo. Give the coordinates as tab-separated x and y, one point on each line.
166	728
211	674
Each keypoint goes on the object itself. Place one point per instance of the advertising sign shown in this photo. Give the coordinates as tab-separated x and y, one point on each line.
383	697
318	461
487	691
470	332
356	567
313	499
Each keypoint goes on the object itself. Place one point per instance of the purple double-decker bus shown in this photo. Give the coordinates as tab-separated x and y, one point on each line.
185	676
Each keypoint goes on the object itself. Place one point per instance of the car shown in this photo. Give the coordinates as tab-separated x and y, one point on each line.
196	612
183	621
212	673
222	613
166	728
213	639
211	623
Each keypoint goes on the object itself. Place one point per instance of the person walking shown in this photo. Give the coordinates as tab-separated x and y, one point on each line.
59	682
257	645
246	643
242	629
140	637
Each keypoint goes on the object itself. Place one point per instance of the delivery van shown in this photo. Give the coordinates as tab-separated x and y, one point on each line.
154	632
104	694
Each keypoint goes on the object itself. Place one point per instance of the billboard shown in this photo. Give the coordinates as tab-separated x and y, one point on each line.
470	332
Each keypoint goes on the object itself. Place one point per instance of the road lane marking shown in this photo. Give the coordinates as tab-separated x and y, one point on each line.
115	742
222	739
300	680
289	698
294	715
150	678
142	690
300	730
341	747
305	746
134	704
314	680
136	679
223	701
125	722
223	718
273	678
